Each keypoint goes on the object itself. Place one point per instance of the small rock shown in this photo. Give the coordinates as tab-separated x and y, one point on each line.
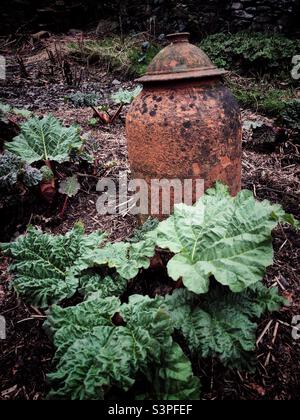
116	82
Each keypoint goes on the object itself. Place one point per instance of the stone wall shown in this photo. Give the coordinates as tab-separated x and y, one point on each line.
200	17
210	16
282	15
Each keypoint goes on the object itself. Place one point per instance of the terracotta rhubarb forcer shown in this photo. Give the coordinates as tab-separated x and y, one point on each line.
185	123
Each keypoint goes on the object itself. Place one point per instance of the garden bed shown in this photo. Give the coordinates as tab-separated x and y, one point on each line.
26	354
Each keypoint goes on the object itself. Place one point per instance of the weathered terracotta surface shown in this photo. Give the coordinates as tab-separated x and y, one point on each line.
180	60
189	128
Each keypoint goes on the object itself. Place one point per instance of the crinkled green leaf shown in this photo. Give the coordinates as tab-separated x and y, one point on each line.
46	266
87	314
93	364
22	112
45	139
31	176
10	167
69	186
142	310
93	354
101	286
142	232
6	109
126	258
87	157
47	173
221	323
125	96
13	169
80	99
264	299
221	236
70	324
173	379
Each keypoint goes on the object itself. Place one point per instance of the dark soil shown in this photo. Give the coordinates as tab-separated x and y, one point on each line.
25	356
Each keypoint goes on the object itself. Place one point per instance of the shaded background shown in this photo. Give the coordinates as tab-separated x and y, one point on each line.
157	16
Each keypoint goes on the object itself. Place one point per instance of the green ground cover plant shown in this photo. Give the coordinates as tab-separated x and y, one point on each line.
253	52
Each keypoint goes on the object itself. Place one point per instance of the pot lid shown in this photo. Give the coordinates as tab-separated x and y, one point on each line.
180	60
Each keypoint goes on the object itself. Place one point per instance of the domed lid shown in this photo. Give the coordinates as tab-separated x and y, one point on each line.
180	60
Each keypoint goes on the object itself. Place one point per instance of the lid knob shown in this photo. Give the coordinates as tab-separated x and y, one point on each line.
178	37
180	60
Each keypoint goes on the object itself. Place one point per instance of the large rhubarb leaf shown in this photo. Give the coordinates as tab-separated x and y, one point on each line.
95	355
173	379
70	324
45	139
49	268
126	258
221	236
46	266
92	364
221	323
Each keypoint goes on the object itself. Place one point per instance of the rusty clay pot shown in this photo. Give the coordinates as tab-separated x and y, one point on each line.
185	123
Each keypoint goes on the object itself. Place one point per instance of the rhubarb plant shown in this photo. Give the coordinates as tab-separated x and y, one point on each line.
125	96
16	179
47	267
95	284
14	170
45	140
69	187
8	109
222	323
102	344
81	99
96	354
122	97
220	248
222	236
125	257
